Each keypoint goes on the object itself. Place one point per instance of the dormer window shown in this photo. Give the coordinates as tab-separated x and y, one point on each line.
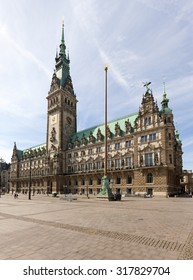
147	121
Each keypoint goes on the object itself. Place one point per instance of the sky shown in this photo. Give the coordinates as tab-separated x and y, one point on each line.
140	40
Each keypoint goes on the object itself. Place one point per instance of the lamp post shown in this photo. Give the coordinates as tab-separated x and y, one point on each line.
105	159
105	192
29	197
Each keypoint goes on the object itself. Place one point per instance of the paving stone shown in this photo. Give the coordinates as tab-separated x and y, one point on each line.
52	229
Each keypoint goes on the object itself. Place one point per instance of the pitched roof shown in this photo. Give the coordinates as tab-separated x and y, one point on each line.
121	122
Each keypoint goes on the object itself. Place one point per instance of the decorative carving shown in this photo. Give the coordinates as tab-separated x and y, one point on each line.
117	130
136	123
91	137
128	127
83	140
53	135
76	142
53	148
109	134
54	83
99	135
70	146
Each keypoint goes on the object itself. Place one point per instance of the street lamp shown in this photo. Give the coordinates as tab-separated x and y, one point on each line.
30	155
105	190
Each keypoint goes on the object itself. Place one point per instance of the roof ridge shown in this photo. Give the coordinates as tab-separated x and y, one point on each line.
86	129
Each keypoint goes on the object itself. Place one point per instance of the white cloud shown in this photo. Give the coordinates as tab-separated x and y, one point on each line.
140	40
22	51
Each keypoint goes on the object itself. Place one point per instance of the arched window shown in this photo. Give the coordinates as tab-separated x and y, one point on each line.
129	179
149	178
170	159
118	180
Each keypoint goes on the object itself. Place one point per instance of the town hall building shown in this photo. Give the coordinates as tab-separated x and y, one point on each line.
144	152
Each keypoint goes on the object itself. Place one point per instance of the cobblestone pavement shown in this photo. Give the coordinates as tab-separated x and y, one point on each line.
135	228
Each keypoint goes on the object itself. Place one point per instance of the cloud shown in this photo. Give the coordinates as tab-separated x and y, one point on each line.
22	51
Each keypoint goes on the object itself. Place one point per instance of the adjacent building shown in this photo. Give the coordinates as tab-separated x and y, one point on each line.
4	176
144	149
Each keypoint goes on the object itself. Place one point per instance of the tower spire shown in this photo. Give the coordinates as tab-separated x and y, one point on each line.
62	66
62	45
165	101
62	40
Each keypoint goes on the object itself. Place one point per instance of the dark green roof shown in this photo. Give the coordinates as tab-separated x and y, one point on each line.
121	122
41	146
19	154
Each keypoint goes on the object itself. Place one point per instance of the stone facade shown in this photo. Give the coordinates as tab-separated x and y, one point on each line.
144	151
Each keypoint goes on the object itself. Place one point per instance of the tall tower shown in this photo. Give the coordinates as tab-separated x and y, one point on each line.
61	114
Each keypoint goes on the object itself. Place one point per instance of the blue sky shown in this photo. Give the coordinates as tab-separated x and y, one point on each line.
140	40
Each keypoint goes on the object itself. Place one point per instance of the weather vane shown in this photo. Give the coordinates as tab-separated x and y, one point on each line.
147	85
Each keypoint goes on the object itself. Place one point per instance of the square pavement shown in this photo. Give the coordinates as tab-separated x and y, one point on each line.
47	228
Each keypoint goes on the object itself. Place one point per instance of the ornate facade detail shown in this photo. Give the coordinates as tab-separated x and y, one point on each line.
128	127
99	135
53	135
76	142
117	130
83	140
55	84
109	134
91	137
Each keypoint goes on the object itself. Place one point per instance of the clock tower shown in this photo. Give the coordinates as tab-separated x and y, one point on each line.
61	115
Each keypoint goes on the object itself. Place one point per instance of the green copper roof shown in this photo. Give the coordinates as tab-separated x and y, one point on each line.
62	66
165	109
41	146
111	125
19	154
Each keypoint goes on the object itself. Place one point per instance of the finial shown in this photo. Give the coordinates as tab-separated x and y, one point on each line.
62	31
147	85
106	67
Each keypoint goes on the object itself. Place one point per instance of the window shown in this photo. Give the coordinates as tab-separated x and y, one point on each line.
98	165
128	143
83	181
69	155
98	181
128	161
98	150
90	151
147	121
148	159
82	167
82	153
129	180
108	148
108	163
75	168
170	159
117	163
75	154
152	137
117	146
90	181
149	178
143	138
90	166
118	181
